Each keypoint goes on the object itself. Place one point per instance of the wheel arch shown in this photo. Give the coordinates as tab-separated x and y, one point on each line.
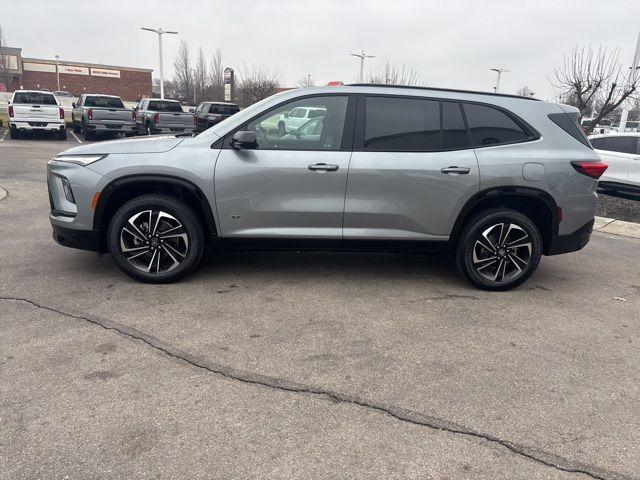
537	204
123	189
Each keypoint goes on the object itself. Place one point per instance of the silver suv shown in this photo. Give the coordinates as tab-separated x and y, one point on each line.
497	180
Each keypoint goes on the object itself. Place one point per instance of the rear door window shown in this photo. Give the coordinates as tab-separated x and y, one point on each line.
620	144
454	132
490	126
402	124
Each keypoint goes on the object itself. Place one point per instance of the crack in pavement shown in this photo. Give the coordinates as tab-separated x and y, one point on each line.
403	415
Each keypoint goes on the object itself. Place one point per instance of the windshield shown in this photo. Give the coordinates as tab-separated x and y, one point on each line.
105	102
34	98
164	106
224	109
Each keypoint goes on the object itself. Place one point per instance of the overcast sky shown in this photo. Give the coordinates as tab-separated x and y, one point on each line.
450	43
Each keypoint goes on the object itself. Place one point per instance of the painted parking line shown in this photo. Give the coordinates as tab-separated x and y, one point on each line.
3	135
76	137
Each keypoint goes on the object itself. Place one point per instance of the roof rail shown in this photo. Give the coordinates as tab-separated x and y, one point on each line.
434	89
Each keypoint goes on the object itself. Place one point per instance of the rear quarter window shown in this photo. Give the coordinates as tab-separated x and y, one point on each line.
490	126
570	124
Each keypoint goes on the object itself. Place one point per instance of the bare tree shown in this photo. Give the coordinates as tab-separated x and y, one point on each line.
306	81
592	79
256	83
215	87
183	73
525	92
393	75
200	74
5	75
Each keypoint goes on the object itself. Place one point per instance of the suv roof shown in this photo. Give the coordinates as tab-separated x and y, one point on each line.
442	90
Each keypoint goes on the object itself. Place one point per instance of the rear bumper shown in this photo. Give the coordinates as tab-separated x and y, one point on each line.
106	128
81	239
173	129
572	242
38	125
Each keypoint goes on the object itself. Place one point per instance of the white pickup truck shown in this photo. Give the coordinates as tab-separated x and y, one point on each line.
33	110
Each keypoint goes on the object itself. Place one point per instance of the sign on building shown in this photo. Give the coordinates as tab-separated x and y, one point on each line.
105	72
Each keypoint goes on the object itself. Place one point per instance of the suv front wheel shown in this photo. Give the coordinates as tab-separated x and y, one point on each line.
156	239
499	249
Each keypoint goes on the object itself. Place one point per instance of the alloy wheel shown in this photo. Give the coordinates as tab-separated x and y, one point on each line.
502	252
154	241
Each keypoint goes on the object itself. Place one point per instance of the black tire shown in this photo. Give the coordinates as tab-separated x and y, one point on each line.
86	133
147	127
14	134
493	259
62	134
192	245
76	128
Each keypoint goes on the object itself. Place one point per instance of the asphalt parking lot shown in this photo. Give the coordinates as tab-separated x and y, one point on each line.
286	365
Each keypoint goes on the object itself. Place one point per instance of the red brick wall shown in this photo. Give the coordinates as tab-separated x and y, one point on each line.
130	86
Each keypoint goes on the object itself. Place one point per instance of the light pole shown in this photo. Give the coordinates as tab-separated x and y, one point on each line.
362	56
58	72
159	31
500	71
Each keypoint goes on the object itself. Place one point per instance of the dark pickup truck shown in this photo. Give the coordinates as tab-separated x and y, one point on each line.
209	113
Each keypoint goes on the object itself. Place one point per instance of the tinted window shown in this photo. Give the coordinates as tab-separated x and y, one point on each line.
454	133
224	109
34	98
316	113
401	124
164	106
569	123
620	144
274	132
490	126
598	143
105	102
297	113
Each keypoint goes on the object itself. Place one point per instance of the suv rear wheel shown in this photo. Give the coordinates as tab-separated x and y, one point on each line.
156	239
499	249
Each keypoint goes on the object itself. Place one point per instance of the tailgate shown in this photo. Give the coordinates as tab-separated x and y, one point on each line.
176	119
113	116
41	112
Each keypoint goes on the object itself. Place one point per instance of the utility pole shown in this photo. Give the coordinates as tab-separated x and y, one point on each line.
362	56
159	31
500	71
308	79
633	77
58	71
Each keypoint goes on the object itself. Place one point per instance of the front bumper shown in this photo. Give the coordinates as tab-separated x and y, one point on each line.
82	239
573	242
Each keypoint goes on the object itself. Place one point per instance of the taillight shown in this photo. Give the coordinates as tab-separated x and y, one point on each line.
90	114
195	120
156	118
133	117
11	110
61	114
590	169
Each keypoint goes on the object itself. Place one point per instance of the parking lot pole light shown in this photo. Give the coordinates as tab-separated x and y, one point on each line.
58	71
159	31
362	56
500	71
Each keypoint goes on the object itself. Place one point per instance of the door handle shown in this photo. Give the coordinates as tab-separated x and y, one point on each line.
323	167
456	170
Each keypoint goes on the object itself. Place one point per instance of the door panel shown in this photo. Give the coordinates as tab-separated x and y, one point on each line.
405	195
273	193
618	170
634	170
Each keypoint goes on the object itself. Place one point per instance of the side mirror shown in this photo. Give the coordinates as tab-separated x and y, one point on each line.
73	104
244	139
192	110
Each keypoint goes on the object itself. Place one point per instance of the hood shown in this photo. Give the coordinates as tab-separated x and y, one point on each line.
129	145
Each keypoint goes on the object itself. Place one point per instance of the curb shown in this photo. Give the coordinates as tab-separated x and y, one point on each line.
617	227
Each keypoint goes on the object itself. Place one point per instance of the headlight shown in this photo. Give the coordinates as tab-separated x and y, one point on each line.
79	159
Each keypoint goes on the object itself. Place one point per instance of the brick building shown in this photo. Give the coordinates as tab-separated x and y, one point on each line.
77	77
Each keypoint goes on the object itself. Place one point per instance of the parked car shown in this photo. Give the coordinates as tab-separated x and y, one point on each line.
35	110
498	180
291	121
621	151
97	114
207	114
604	126
162	116
630	126
63	94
